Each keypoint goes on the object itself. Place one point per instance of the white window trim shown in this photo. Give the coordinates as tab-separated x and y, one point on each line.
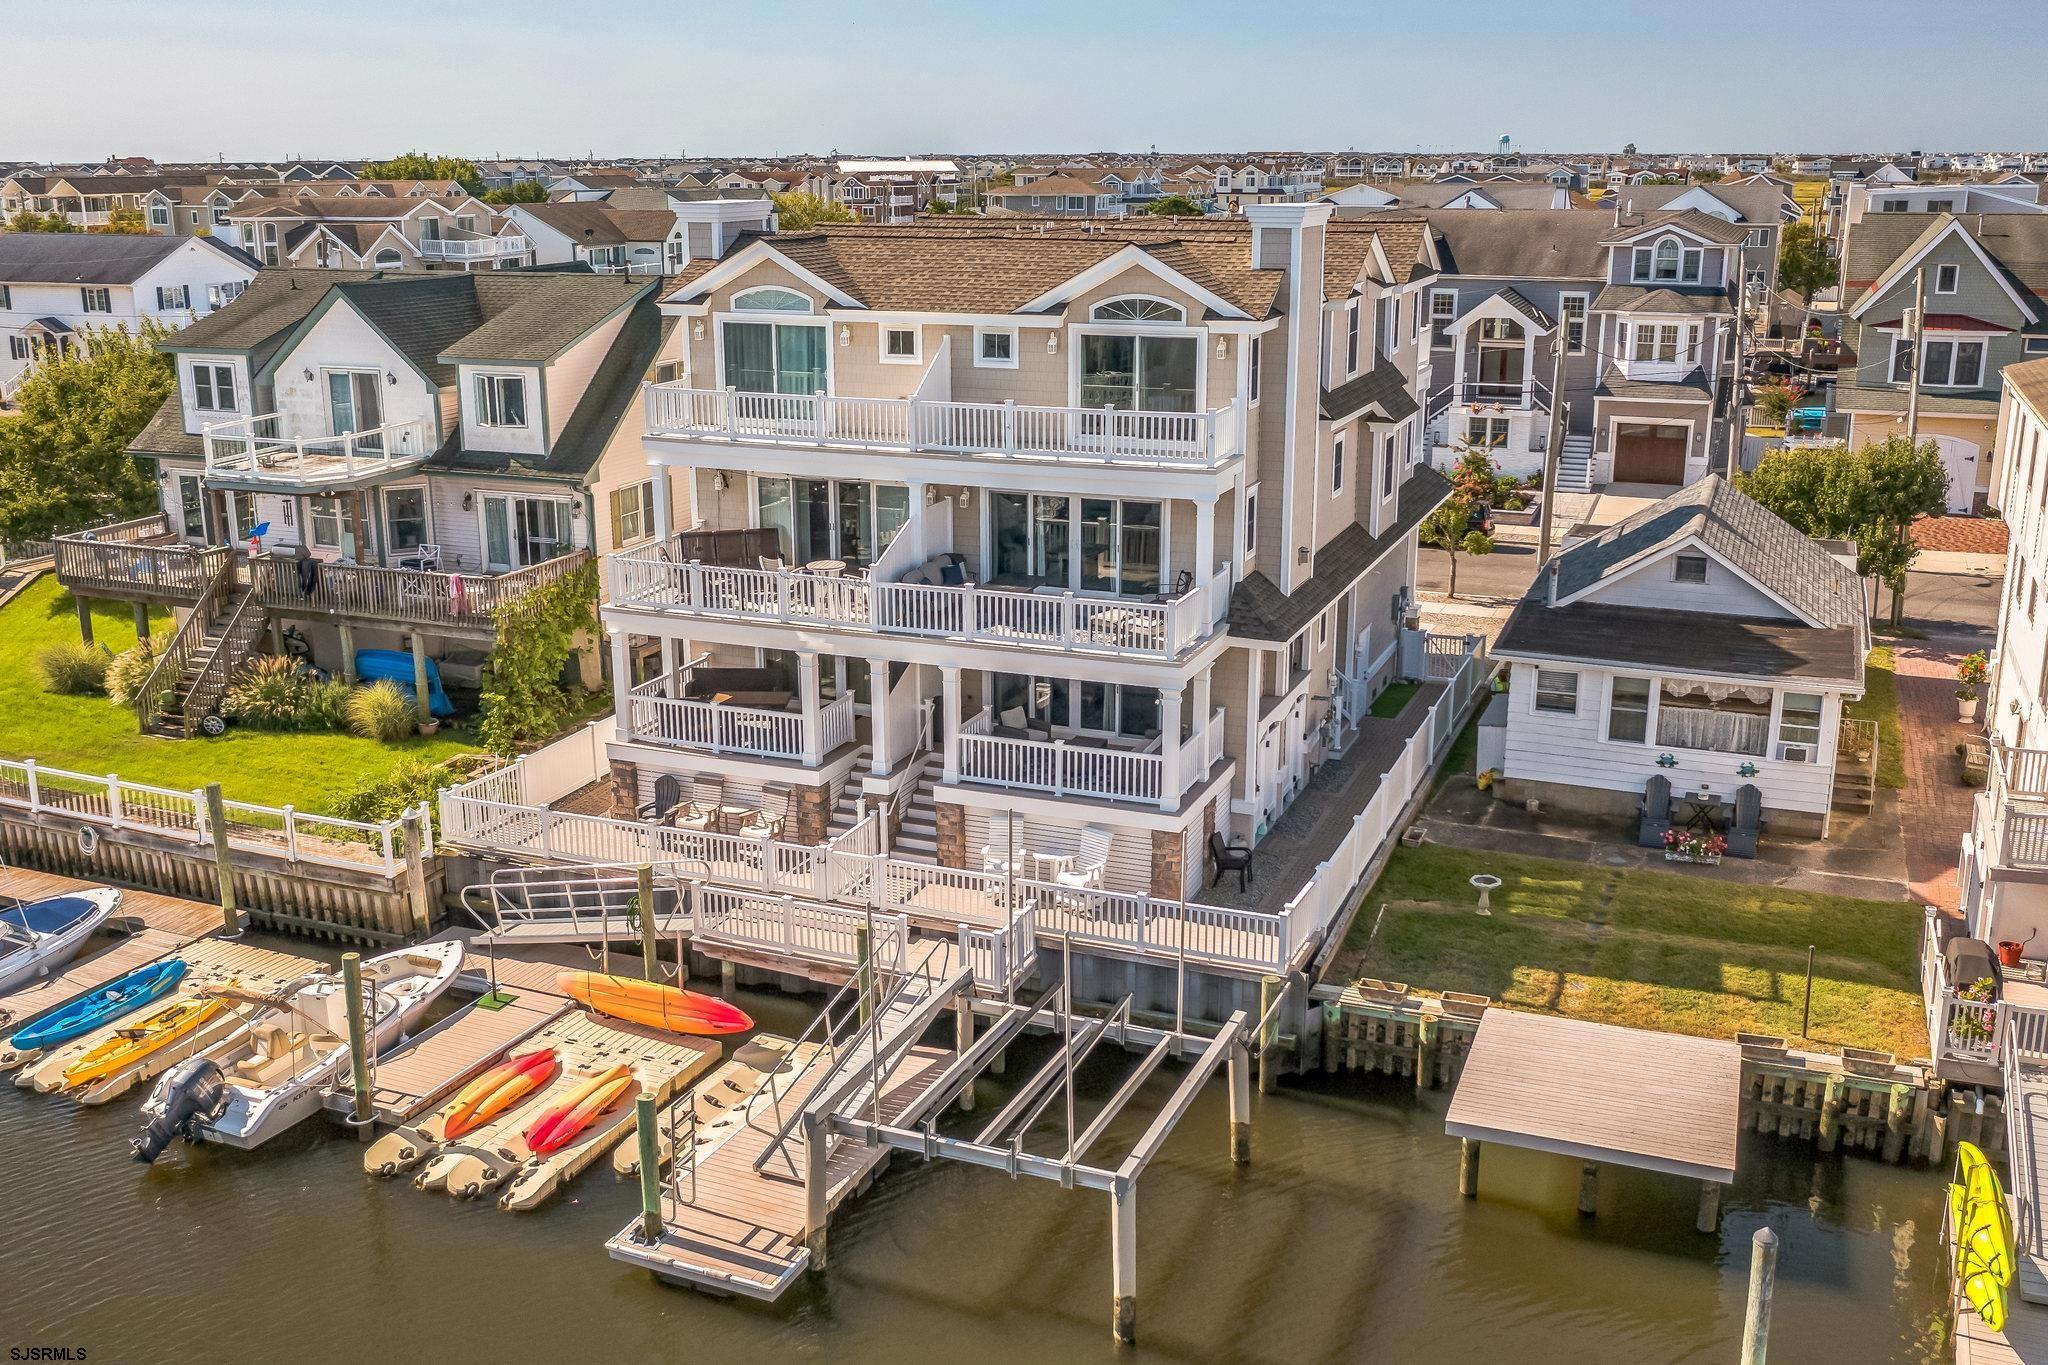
916	356
1251	521
1337	453
1920	360
1585	309
1536	692
1649	710
1706	569
1255	371
982	362
480	418
1955	277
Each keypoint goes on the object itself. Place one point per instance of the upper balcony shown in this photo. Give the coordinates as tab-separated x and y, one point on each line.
464	248
986	431
657	580
249	453
2017	833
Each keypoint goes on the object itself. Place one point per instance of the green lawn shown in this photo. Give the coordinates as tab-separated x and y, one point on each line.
92	735
1651	949
1881	704
1388	704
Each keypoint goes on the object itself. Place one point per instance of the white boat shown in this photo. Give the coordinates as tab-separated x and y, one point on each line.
275	1071
37	937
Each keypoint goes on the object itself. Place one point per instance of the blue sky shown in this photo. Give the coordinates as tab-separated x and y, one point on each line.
187	79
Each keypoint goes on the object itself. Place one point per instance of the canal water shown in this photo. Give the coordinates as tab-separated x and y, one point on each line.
1343	1240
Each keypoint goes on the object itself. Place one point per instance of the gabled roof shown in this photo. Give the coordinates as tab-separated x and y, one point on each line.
1734	527
1535	244
1883	249
93	257
1260	611
1663	298
1381	391
275	302
598	222
1693	222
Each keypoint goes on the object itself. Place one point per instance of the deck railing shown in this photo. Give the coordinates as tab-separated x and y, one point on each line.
409	596
1065	768
238	635
182	815
471	248
250	448
1007	430
654	716
650	580
121	557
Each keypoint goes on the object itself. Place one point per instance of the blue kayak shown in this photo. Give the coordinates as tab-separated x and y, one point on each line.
78	1017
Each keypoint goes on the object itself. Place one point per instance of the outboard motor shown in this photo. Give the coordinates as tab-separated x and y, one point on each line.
191	1092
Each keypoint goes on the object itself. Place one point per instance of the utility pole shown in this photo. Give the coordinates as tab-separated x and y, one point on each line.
1916	326
1735	379
1550	449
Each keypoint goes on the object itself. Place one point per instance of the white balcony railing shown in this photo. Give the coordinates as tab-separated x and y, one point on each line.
1072	767
655	717
472	248
650	580
1179	440
249	448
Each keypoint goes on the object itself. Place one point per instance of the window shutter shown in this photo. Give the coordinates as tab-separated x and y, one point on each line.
618	519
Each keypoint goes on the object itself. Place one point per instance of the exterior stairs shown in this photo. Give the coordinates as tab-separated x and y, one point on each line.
918	839
1855	789
228	644
1575	464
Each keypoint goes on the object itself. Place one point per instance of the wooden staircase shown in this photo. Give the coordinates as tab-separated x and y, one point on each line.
1855	776
209	666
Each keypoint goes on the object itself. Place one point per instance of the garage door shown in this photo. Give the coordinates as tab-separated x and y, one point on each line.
1959	461
1648	452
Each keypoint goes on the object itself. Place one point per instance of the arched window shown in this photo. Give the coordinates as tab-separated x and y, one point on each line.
1137	308
388	259
770	299
1667	259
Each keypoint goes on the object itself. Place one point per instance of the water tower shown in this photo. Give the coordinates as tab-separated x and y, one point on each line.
1504	140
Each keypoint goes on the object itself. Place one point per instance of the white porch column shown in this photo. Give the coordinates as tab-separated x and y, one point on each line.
807	689
881	721
1528	364
1169	748
664	513
1459	336
622	684
1205	542
949	675
1201	721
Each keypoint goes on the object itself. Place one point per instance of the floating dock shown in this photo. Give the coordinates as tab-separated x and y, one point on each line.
709	1112
410	1080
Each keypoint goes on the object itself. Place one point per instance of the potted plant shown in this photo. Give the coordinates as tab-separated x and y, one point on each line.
1969	678
1973	1025
1693	846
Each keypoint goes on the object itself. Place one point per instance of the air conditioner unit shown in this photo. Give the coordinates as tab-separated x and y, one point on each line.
1795	753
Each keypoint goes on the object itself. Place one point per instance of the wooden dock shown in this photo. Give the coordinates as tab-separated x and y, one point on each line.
737	1230
415	1077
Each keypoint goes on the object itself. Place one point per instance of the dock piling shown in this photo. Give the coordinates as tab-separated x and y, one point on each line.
1763	1272
223	864
650	1168
646	908
1240	1078
963	1040
864	969
1710	1206
817	1186
358	1039
1468	1167
1123	1237
1589	1189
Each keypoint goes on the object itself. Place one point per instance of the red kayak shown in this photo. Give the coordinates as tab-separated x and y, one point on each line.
559	1124
650	1003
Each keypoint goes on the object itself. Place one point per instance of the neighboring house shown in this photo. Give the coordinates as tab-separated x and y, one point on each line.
1760	205
1646	313
88	200
1167	471
1858	201
437	443
610	240
590	184
56	286
1703	640
1512	194
1062	195
896	192
1986	307
377	231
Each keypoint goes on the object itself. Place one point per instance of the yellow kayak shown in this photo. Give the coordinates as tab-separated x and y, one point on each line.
131	1045
1978	1236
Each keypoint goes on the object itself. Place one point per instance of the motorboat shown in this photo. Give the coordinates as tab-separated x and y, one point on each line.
39	936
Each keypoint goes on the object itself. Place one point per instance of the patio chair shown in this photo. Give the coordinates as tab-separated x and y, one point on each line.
668	789
771	563
1654	815
768	821
1748	823
1231	857
701	814
1006	843
1091	861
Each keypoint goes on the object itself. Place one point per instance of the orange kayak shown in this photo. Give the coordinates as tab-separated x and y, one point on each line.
497	1090
559	1124
653	1004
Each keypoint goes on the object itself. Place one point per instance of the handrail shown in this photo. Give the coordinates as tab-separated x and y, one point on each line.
2019	1156
170	665
243	625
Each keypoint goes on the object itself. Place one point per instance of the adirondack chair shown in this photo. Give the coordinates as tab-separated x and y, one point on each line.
1655	813
1006	842
1748	822
768	821
701	814
1090	863
668	789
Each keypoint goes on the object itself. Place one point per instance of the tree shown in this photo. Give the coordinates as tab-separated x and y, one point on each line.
1449	528
1774	401
524	192
420	166
1629	150
1175	206
1804	265
27	220
124	222
1706	175
64	459
798	210
1472	478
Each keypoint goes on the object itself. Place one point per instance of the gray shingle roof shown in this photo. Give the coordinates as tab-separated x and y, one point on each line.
1381	388
1693	388
90	257
1732	525
1535	244
1663	298
533	318
1260	611
1683	642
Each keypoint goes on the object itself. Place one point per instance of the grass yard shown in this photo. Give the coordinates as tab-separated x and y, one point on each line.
1650	949
1881	704
92	735
1388	704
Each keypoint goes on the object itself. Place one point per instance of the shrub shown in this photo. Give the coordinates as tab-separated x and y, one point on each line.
130	669
410	781
1505	486
1514	504
1535	480
327	705
73	669
276	693
382	711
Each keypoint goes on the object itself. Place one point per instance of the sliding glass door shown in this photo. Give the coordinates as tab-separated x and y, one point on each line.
1145	373
775	357
839	519
1119	542
518	532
